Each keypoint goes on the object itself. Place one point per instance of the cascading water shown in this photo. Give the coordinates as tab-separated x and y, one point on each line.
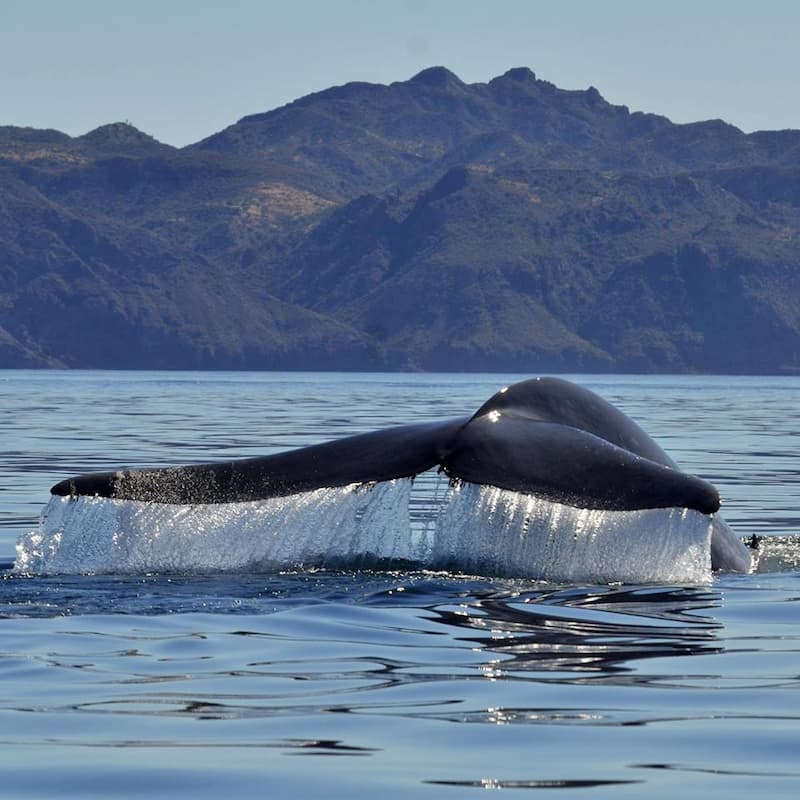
319	528
486	530
476	529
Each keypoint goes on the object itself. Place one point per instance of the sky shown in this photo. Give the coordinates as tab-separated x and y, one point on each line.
181	70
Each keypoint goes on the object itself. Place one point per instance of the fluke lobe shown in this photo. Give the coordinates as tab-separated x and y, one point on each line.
546	437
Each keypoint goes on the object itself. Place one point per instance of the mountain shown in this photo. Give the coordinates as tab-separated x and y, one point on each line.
428	224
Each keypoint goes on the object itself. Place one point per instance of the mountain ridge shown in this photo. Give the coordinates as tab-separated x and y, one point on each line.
425	224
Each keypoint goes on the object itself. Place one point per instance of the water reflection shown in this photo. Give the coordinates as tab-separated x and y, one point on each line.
751	773
595	630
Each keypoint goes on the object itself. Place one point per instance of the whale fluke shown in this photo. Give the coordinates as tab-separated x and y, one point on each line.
544	437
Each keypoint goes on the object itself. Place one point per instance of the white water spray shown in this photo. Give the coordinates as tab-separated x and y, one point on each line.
486	530
320	528
476	529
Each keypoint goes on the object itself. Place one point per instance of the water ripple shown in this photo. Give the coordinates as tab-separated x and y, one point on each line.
395	684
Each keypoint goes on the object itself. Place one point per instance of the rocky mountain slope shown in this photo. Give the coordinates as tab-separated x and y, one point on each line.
429	224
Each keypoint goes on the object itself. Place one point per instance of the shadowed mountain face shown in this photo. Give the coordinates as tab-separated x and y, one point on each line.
429	224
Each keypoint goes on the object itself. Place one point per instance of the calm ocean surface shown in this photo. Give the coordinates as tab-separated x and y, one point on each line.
363	685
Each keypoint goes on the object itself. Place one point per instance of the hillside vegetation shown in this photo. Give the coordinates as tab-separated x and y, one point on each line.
428	224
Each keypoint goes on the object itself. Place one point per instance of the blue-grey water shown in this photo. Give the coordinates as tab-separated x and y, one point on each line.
392	684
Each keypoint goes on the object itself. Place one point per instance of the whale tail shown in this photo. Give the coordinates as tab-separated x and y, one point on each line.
545	437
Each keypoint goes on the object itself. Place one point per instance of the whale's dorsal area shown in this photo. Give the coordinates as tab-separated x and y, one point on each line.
546	437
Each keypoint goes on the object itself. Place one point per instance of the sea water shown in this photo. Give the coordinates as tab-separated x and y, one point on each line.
404	682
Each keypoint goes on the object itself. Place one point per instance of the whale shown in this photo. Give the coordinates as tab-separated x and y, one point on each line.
544	437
